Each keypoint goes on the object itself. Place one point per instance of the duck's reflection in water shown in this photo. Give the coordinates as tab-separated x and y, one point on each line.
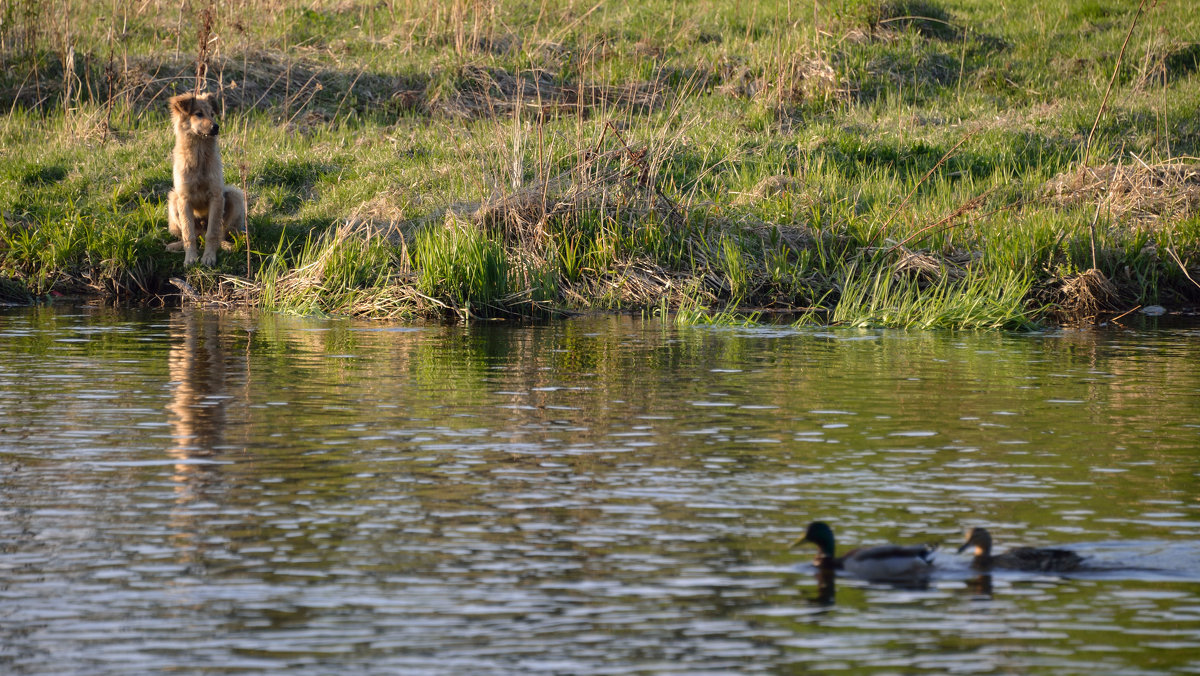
827	584
980	585
826	587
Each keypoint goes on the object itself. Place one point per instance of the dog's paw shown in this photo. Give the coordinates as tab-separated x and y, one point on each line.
189	258
175	246
226	246
209	258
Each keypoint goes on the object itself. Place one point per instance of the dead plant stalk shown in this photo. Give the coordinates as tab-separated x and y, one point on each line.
1087	152
912	192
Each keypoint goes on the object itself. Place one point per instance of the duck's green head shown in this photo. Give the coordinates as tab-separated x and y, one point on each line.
980	538
820	534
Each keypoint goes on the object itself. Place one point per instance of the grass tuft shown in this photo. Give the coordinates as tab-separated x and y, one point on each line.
459	263
884	298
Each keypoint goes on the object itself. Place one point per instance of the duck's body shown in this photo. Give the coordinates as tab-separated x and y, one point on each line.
886	561
1022	558
882	562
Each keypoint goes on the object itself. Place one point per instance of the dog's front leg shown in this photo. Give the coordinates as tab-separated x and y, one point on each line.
212	238
185	219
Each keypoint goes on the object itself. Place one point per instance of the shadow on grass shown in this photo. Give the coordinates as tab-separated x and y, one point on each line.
285	185
40	176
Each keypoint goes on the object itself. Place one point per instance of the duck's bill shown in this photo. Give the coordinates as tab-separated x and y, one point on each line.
799	541
964	546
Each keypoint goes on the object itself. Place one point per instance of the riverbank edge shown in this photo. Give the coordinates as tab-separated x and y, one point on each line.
462	271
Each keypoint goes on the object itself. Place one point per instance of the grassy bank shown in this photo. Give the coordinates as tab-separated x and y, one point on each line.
867	163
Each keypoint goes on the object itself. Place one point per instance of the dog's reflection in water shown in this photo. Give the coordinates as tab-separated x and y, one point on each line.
201	367
196	363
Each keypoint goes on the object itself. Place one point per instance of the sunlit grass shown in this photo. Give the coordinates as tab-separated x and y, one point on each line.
885	298
461	264
334	273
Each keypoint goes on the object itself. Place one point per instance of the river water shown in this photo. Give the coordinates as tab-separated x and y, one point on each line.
220	493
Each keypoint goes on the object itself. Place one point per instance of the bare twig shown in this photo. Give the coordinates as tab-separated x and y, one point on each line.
948	219
912	192
1087	152
208	20
1182	267
1092	230
1129	311
185	289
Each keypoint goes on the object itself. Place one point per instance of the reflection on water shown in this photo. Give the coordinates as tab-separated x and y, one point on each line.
981	585
200	366
826	587
196	366
203	492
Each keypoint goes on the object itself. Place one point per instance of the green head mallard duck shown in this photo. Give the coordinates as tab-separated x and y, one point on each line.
882	562
1021	558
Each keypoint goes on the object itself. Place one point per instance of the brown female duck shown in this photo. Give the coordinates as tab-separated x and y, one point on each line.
1021	558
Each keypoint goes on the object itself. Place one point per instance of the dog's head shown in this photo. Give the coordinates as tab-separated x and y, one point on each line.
194	114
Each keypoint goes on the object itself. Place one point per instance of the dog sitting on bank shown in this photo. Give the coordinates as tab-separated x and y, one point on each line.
200	194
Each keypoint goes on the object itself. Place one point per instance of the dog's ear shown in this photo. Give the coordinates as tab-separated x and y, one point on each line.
214	98
182	104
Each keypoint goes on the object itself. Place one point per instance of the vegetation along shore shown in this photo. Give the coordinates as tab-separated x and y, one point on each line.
967	164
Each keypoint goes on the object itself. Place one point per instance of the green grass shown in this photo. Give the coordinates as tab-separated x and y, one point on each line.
884	298
713	158
460	263
335	272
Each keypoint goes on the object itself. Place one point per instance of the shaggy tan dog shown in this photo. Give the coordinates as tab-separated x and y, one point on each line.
200	191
